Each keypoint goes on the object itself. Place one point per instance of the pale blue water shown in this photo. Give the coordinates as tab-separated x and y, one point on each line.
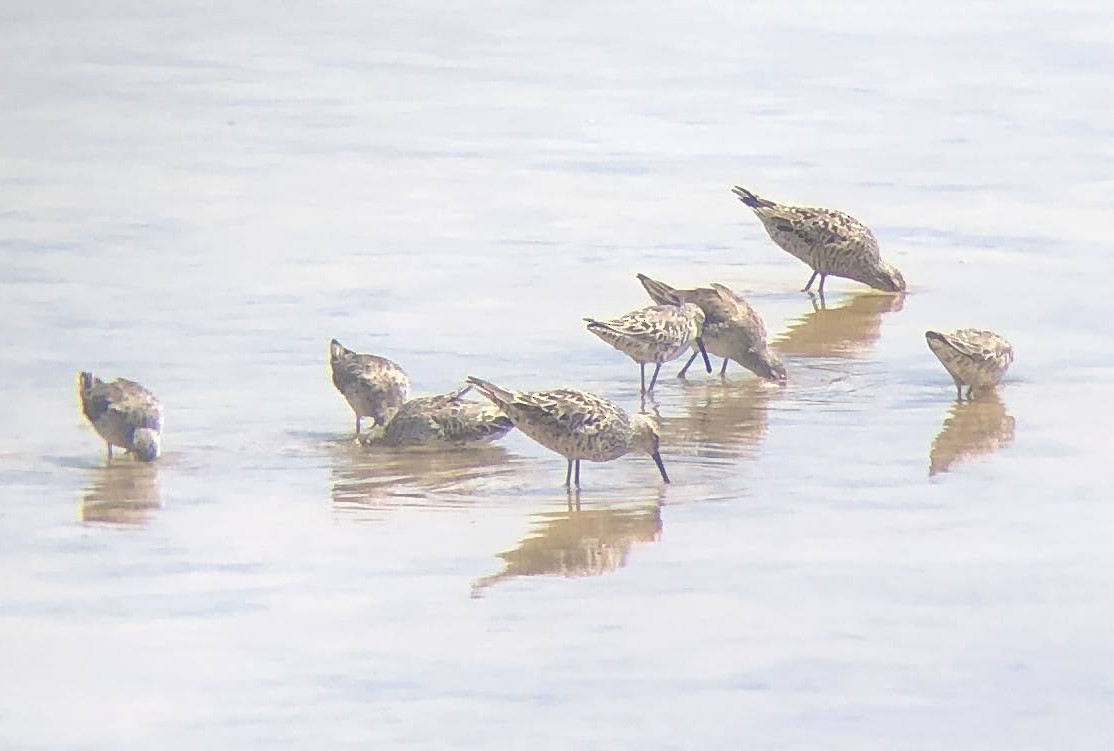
200	197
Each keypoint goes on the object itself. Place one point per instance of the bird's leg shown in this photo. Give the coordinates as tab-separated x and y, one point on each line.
958	389
823	277
812	279
357	426
578	473
573	499
723	370
642	372
654	380
568	475
687	364
108	446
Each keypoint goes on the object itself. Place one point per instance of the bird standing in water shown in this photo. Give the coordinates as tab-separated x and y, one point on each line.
732	328
975	358
374	386
657	334
124	413
577	425
831	242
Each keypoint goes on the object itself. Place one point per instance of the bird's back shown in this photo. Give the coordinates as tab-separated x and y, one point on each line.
448	418
817	236
975	356
574	423
118	408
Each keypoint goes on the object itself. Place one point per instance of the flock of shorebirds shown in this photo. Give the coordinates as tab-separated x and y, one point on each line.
578	425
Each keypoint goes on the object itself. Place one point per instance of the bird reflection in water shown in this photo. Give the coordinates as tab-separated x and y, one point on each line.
973	427
841	331
721	419
578	542
372	477
122	493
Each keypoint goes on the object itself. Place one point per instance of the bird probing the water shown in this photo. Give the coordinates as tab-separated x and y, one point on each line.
124	414
577	425
373	386
732	328
975	358
657	334
831	242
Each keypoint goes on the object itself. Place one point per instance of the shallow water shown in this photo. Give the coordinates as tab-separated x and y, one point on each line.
199	198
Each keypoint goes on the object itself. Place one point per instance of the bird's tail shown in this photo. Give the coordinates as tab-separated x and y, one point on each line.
660	292
751	199
605	331
338	350
496	394
85	382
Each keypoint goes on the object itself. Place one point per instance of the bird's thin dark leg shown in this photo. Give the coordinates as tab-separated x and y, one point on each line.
823	278
578	473
655	378
357	425
568	475
108	446
687	364
958	390
642	372
723	370
812	279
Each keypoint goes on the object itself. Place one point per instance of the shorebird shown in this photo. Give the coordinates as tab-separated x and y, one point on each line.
124	414
831	242
445	418
657	334
577	425
732	329
975	358
374	386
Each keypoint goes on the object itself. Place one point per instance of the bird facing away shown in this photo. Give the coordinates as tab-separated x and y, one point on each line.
577	425
831	242
657	334
975	358
374	386
124	414
444	418
732	329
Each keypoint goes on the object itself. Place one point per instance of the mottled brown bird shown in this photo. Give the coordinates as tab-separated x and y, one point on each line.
831	242
577	425
732	328
975	358
442	419
656	333
374	386
124	413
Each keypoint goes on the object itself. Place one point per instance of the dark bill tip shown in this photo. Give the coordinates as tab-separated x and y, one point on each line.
704	354
661	467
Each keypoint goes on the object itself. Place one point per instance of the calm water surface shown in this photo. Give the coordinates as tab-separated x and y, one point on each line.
200	197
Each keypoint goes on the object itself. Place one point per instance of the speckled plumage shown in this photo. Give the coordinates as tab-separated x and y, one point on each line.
975	358
732	328
831	242
576	424
444	418
374	386
124	413
657	334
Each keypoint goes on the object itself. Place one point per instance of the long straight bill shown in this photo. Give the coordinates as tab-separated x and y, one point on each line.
661	467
